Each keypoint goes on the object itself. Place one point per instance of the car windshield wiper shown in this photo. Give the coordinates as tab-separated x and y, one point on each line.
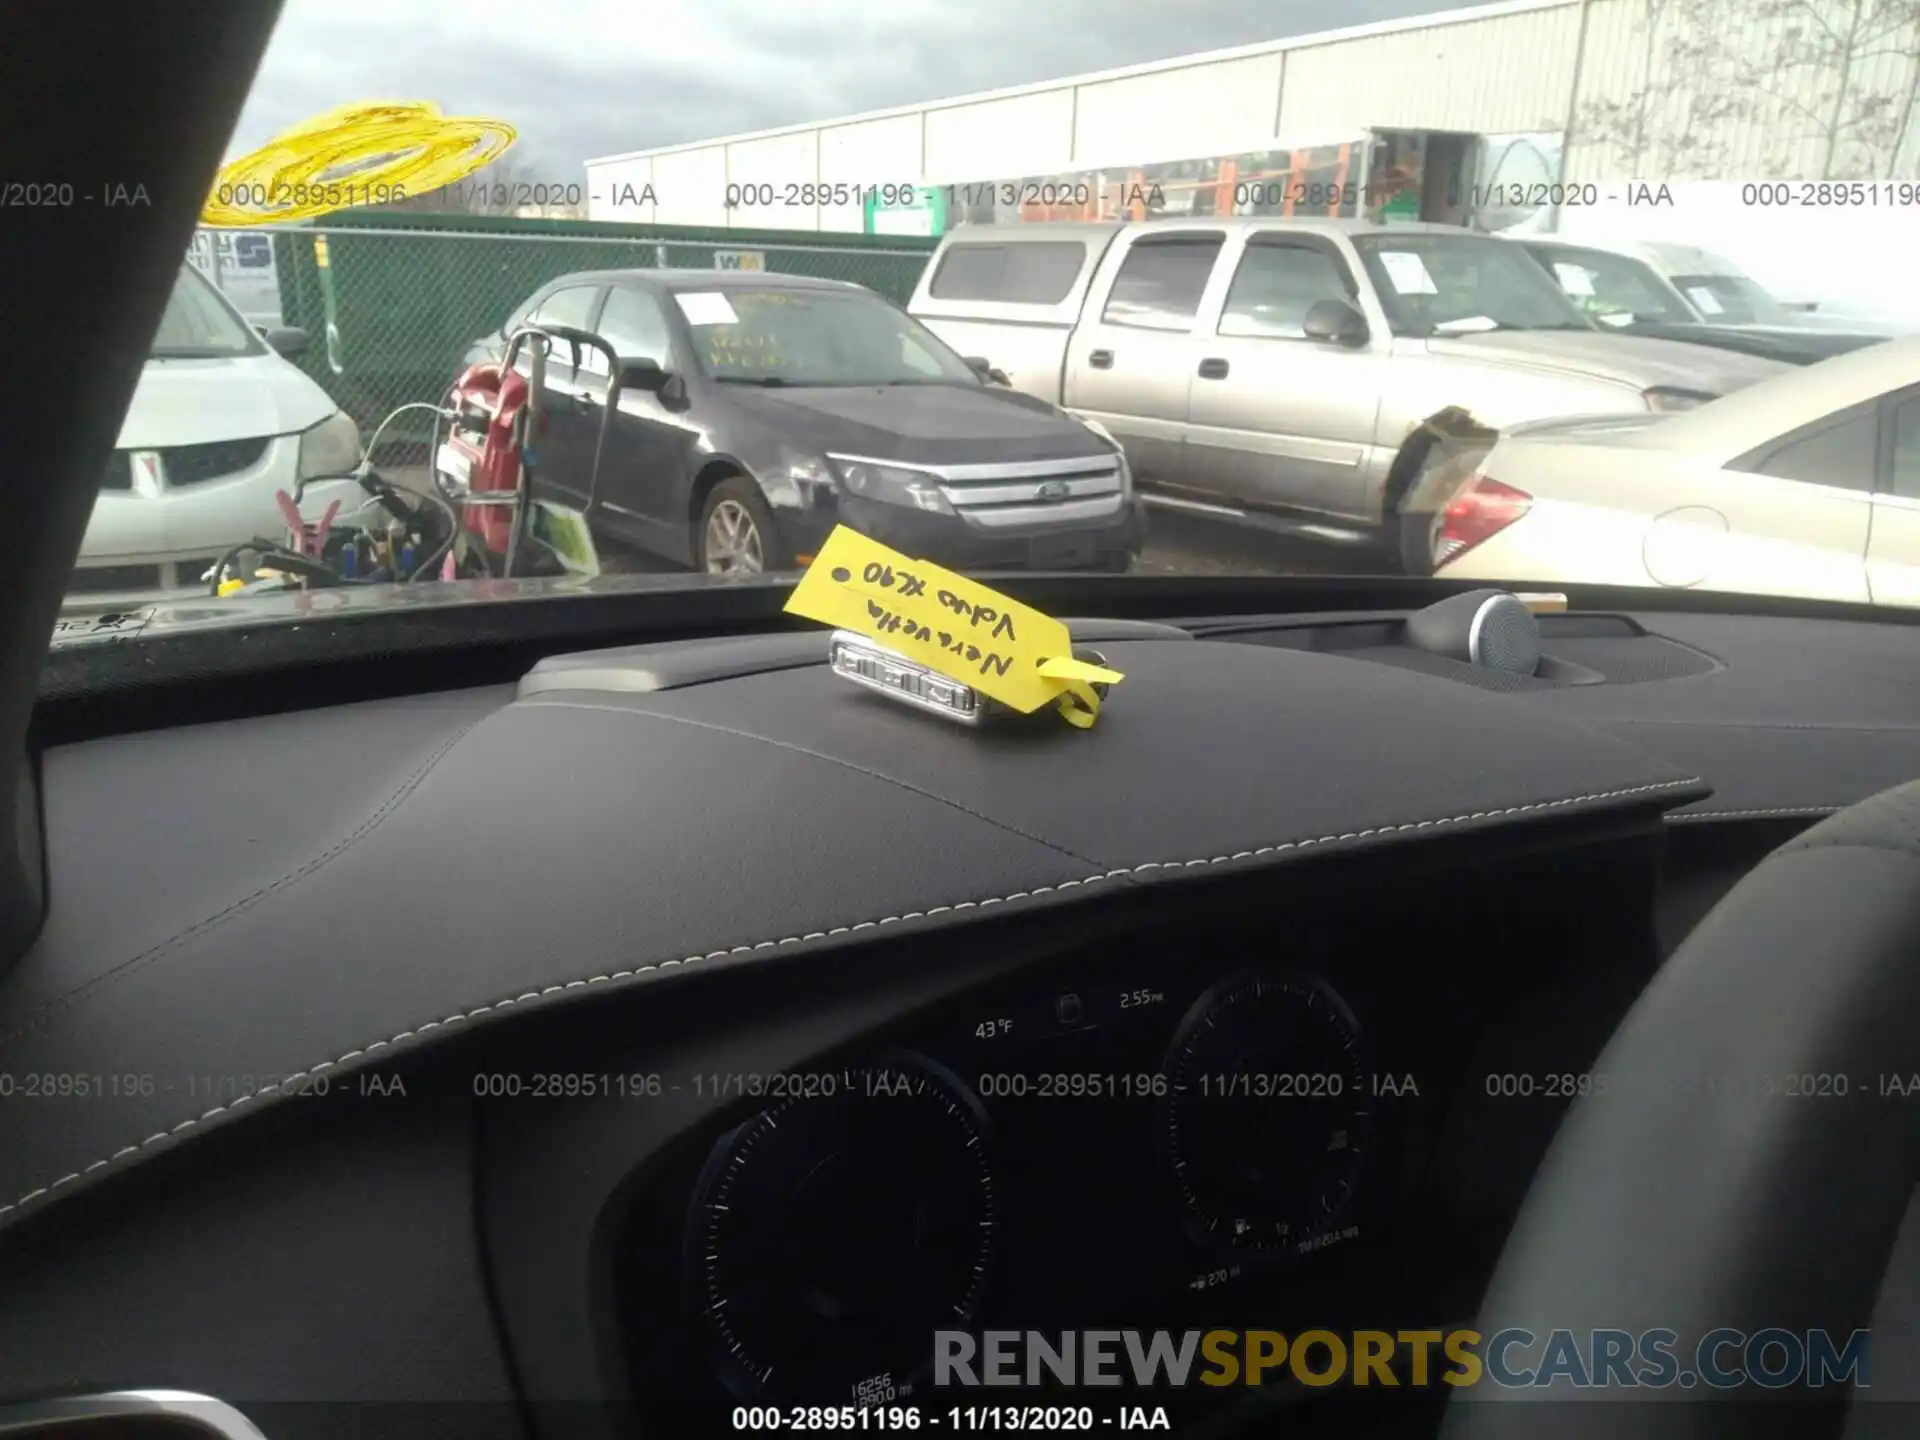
193	352
768	381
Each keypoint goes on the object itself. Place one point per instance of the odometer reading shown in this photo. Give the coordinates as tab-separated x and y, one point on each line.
1267	1113
834	1233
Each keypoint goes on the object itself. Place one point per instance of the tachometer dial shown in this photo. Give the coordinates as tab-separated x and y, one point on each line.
1267	1113
832	1235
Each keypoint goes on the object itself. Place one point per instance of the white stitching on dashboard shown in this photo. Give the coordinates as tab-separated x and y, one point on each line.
1131	870
1797	812
66	1001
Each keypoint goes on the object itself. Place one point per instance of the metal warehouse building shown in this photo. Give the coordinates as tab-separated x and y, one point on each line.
1475	116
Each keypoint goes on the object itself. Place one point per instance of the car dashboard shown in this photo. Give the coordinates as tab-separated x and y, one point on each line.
679	1030
1284	1111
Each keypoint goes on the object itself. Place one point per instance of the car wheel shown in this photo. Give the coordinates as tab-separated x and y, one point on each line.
736	533
1410	539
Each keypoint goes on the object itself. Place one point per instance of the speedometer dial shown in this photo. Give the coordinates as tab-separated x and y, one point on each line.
832	1235
1267	1113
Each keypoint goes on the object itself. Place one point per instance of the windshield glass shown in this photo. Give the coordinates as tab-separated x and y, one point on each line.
1732	300
813	337
1604	286
1440	284
198	324
1185	292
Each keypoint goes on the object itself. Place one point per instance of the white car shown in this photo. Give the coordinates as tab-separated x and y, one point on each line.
1805	485
219	423
1688	284
1619	286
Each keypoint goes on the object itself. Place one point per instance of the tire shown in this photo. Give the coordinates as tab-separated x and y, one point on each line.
736	508
1410	537
1408	534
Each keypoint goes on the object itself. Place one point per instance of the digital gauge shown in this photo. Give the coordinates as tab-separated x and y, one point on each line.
1267	1112
831	1235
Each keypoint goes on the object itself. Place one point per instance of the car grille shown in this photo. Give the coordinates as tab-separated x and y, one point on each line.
195	464
184	465
1034	492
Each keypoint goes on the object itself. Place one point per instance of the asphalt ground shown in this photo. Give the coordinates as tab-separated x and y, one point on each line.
1177	544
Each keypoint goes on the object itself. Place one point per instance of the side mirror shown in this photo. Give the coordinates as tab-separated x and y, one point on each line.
1335	322
983	367
649	375
287	340
643	374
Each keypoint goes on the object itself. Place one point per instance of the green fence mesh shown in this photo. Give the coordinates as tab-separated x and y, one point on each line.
393	301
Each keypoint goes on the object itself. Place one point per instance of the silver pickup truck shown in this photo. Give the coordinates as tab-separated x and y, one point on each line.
1296	372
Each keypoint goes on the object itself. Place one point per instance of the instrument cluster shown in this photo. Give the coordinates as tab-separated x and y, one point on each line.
1168	1138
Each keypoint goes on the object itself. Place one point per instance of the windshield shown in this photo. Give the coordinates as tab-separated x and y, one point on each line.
1607	287
1441	284
1158	289
813	337
1732	300
198	324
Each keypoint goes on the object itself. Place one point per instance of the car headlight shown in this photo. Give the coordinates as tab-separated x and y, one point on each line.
890	484
1663	398
1126	470
330	448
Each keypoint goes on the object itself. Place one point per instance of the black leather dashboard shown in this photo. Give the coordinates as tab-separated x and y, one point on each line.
1784	718
335	892
584	840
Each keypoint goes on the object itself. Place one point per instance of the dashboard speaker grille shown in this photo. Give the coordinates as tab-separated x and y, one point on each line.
1505	637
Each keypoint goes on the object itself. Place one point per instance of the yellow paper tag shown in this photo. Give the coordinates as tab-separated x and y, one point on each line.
959	627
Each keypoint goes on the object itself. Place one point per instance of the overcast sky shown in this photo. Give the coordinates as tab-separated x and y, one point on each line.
581	78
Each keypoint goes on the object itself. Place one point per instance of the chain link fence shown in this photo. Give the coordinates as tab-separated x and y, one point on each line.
391	309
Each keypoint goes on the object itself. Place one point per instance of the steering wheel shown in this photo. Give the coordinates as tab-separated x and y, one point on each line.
1741	1163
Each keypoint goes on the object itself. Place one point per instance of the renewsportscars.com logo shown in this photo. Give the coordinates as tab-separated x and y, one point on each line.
1723	1359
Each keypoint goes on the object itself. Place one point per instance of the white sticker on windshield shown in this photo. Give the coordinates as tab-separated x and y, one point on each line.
1466	325
1705	301
1573	279
1408	272
706	307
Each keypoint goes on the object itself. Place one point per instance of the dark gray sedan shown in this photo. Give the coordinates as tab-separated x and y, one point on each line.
758	411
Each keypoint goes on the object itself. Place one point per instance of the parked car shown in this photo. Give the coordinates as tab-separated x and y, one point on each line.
1806	485
1618	286
1722	293
759	410
219	424
1266	368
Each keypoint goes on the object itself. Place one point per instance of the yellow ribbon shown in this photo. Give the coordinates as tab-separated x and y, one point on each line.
1079	702
354	155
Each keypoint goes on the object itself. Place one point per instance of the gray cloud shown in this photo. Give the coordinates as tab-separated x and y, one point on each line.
597	77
